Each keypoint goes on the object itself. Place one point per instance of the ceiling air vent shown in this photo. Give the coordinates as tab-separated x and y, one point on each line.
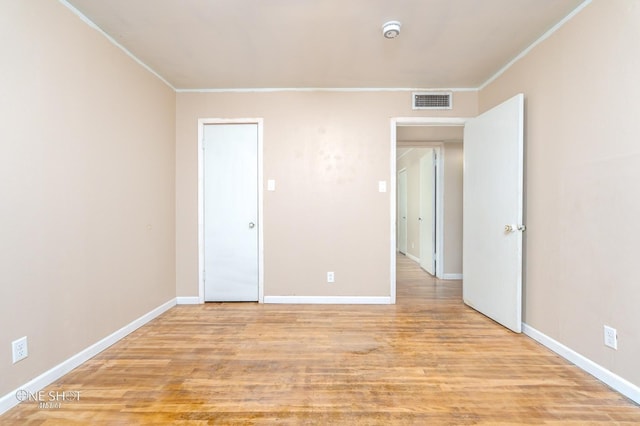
432	100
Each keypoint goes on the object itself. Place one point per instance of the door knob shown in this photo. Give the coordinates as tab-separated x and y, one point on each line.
251	225
513	228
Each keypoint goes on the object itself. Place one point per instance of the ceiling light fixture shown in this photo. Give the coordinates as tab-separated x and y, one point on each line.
391	29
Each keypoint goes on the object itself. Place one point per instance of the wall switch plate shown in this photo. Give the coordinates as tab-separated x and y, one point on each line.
19	349
610	337
271	185
331	277
382	186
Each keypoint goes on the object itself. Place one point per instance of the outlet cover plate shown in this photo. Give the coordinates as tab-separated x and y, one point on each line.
610	337
19	349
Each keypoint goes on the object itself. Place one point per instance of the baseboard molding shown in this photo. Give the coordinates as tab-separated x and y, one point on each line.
452	277
188	300
616	382
329	300
412	257
9	400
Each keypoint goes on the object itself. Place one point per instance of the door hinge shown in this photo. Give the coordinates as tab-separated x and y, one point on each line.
204	275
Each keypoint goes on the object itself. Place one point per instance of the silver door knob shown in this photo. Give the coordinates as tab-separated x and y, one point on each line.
251	225
508	228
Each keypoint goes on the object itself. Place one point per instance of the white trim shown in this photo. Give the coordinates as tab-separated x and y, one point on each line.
9	400
201	123
412	257
329	300
92	24
542	38
392	214
619	384
200	212
188	300
451	276
260	124
322	89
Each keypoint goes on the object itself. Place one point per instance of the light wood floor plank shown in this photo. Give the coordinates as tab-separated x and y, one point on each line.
427	360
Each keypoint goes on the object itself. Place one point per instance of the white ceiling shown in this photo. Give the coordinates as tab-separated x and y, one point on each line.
230	44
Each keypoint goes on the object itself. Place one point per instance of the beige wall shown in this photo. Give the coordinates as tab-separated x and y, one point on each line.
582	172
87	188
327	151
453	168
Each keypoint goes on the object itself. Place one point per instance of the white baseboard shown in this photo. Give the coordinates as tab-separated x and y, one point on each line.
412	257
188	300
621	385
452	277
329	300
9	400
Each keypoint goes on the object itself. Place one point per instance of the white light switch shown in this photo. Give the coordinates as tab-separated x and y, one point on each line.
271	185
382	186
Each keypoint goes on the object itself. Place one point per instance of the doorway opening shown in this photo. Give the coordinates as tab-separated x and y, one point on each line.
421	144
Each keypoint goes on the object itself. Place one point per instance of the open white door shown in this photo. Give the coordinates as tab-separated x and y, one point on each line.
492	217
402	211
427	211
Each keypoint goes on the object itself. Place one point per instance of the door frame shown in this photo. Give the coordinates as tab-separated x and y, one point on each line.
418	121
201	123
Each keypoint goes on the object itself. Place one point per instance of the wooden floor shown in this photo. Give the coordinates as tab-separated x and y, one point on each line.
428	360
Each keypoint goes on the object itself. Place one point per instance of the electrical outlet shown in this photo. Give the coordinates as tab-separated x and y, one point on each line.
610	337
331	277
20	349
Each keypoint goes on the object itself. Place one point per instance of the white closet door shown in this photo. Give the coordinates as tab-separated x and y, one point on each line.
231	212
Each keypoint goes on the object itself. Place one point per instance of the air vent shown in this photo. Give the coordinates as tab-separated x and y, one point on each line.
432	100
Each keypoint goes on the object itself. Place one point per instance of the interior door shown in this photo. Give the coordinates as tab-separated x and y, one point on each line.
402	211
231	212
427	211
492	214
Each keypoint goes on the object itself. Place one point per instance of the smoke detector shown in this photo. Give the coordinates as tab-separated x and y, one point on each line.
391	29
